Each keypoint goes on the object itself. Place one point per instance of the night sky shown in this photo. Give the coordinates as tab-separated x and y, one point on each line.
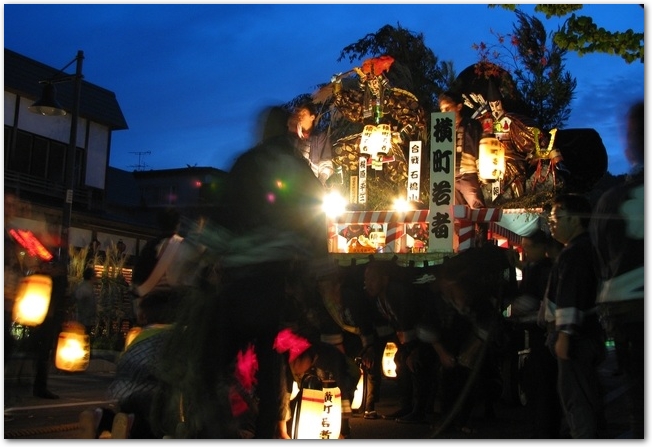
192	79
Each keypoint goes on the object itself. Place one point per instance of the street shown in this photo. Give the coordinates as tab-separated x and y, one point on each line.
34	418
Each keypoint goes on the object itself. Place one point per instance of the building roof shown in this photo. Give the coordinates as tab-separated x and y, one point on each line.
22	76
179	172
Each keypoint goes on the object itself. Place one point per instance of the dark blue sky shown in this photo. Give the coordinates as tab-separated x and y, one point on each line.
192	79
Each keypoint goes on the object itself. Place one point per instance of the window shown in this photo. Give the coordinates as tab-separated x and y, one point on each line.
41	157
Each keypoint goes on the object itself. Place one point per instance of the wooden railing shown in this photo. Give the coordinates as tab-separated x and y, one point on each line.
24	182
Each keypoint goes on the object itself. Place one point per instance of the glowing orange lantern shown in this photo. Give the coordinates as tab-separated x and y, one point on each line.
73	348
389	366
319	413
32	300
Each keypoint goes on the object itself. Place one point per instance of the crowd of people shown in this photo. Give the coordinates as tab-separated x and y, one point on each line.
234	314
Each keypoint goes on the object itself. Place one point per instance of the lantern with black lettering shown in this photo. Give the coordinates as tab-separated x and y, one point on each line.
318	414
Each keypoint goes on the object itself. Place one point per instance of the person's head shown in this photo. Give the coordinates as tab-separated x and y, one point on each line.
451	101
89	274
377	275
305	116
303	362
273	123
535	246
635	132
168	221
569	217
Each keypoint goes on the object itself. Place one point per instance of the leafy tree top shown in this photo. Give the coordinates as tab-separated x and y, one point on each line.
581	35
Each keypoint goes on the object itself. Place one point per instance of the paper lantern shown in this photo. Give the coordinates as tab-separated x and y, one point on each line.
389	367
32	300
491	159
73	348
318	414
376	140
360	392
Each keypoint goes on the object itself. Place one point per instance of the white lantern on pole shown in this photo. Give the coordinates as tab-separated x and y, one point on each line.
318	414
32	300
491	159
73	348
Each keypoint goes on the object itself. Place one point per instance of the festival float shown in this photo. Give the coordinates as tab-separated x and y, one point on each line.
396	167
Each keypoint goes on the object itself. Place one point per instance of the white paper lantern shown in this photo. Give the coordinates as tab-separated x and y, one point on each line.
319	413
491	159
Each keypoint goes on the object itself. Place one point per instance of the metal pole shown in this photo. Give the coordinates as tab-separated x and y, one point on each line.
70	164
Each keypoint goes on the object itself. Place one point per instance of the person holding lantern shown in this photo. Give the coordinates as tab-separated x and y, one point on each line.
266	233
398	308
26	256
322	361
46	334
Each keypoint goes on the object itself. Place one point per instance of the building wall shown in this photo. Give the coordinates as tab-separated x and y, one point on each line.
97	155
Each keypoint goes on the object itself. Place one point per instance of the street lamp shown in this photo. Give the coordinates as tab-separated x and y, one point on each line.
48	105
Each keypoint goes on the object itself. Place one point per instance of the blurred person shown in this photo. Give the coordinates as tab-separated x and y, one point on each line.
266	234
398	309
311	143
86	300
20	261
152	271
617	231
574	332
136	377
46	334
540	251
349	317
454	340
